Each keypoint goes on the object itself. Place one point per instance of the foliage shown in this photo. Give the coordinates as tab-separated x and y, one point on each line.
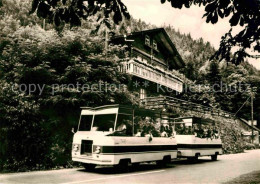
23	139
18	10
249	146
39	122
71	12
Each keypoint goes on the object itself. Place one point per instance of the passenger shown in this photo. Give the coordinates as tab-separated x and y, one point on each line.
215	133
178	129
196	130
145	131
94	129
150	135
205	132
199	131
190	132
211	133
139	133
208	133
173	133
168	130
121	127
164	134
183	129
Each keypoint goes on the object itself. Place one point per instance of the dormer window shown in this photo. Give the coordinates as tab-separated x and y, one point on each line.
155	45
147	40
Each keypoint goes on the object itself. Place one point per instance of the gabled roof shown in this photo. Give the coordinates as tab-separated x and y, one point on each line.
162	34
250	126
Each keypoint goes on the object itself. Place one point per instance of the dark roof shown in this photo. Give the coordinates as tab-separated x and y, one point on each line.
157	30
246	123
196	119
128	109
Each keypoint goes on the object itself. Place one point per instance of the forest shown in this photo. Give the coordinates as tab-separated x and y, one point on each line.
36	129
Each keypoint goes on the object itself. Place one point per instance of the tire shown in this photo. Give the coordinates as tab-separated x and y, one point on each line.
193	159
164	162
123	165
161	163
214	157
89	167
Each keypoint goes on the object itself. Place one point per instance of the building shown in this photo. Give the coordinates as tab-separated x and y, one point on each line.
152	59
247	131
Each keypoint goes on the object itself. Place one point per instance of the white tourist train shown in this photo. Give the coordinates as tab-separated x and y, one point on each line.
120	135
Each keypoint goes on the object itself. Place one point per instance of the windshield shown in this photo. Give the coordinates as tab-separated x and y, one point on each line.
104	122
85	122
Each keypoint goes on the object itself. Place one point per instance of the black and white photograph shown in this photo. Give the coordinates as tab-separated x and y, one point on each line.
129	91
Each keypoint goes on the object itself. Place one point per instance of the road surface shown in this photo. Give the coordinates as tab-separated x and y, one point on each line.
225	169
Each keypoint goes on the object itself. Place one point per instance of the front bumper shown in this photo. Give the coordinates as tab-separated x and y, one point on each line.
94	159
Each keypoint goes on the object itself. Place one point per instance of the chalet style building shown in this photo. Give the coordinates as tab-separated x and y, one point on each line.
152	58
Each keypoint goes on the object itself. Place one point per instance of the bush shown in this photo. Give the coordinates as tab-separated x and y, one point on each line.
35	128
249	146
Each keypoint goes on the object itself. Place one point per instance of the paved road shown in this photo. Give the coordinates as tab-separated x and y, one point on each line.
205	171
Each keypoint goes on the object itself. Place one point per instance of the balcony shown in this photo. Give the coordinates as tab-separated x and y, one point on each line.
152	73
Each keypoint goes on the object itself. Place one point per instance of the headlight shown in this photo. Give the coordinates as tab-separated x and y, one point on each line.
98	150
75	147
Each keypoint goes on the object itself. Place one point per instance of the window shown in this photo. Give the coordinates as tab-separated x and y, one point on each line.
144	125
154	45
135	69
104	122
85	122
142	93
147	40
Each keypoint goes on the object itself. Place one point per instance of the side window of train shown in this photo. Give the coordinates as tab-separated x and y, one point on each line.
144	125
125	123
182	129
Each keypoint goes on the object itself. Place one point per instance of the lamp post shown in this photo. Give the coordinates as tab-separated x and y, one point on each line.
252	115
252	111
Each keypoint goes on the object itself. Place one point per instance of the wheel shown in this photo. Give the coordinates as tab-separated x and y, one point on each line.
193	159
214	157
89	167
161	163
164	162
123	166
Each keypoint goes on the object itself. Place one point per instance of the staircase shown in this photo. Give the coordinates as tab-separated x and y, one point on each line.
166	102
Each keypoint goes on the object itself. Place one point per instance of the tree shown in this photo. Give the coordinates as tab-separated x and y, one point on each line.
213	75
71	12
31	55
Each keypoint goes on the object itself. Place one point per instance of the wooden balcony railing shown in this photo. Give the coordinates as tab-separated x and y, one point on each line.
152	73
